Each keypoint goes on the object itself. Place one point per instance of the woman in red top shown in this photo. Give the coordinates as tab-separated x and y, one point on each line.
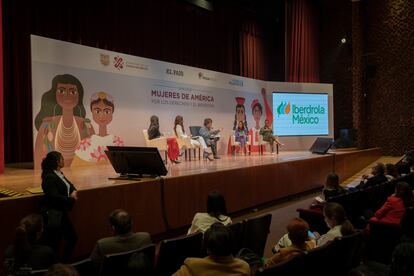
394	208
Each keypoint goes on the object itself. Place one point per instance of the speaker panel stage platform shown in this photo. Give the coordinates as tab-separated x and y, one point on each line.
160	205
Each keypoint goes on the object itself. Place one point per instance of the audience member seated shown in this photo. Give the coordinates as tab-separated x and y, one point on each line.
219	261
216	212
402	260
242	136
406	165
391	172
335	218
123	240
298	235
332	187
378	177
61	270
26	252
394	208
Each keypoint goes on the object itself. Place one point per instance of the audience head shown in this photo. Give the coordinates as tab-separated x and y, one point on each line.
52	161
61	270
298	231
217	240
335	215
378	169
27	234
120	221
216	205
391	169
332	182
154	121
139	264
403	190
208	122
402	260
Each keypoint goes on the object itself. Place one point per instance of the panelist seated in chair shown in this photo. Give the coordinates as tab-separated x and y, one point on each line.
220	260
181	134
210	136
241	135
123	240
378	177
267	134
173	150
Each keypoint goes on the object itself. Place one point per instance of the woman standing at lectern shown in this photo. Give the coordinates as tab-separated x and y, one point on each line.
60	196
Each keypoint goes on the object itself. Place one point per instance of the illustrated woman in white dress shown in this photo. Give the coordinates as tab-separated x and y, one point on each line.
92	149
61	122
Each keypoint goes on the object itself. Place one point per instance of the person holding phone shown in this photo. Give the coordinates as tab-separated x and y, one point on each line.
298	233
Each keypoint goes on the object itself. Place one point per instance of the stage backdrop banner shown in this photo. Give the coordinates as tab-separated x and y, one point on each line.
85	99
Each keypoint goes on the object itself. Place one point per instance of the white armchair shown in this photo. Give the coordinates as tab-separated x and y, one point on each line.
262	145
185	143
159	143
234	144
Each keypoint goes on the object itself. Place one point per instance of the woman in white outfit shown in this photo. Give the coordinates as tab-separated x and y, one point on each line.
180	134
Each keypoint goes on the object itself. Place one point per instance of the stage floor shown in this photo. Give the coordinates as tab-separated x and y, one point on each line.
96	176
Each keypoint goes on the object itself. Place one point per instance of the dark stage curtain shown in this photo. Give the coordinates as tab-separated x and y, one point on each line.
168	30
253	52
302	42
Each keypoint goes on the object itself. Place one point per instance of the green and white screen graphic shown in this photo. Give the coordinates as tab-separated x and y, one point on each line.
299	114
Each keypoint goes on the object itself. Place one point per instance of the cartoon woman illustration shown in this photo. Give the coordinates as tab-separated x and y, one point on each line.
240	113
92	149
61	122
257	111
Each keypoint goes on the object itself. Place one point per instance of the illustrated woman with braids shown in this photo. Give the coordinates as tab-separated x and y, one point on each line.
61	122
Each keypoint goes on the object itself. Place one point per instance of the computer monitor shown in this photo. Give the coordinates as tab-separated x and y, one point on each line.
321	145
133	162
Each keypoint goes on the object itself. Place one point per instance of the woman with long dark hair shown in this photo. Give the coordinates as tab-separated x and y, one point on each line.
394	208
154	132
216	212
25	251
61	123
332	187
60	196
338	223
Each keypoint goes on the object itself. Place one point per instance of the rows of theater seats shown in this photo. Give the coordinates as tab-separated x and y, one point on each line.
251	233
382	237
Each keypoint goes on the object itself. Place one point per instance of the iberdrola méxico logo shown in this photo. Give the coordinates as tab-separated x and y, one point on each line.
283	108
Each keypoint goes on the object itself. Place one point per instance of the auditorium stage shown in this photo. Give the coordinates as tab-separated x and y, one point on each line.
159	205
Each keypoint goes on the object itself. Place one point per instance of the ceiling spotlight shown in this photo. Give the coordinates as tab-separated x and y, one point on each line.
343	40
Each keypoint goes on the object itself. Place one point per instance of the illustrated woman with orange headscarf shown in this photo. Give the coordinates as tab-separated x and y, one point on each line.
240	113
61	122
92	149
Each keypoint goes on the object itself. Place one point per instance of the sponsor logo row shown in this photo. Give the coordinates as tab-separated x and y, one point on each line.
120	63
